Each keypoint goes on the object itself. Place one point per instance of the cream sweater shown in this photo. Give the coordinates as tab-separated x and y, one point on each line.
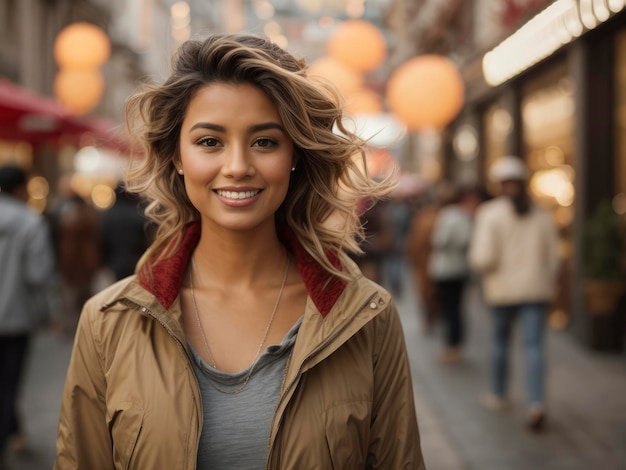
518	256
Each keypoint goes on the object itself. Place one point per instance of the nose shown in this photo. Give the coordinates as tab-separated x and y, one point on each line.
236	162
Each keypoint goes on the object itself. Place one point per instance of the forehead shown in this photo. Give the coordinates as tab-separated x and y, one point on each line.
231	101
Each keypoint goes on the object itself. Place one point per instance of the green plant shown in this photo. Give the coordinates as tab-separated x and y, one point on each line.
603	243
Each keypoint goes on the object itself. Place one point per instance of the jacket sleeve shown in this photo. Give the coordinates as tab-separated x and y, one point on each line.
83	439
483	253
394	435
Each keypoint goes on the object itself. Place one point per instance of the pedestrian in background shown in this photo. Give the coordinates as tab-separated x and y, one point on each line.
419	248
126	234
26	265
448	266
248	339
515	248
76	227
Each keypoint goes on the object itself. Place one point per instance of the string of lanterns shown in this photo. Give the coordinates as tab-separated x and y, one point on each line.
424	92
80	50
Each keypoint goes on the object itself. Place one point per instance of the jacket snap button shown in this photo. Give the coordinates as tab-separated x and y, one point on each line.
373	305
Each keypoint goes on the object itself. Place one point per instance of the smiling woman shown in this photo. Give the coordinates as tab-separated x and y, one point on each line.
247	338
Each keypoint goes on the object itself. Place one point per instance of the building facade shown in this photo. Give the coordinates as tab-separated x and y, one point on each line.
546	81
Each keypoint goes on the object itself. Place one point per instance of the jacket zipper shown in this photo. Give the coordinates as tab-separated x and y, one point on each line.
320	347
149	313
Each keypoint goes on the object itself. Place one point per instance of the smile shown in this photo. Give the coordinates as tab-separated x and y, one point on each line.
237	194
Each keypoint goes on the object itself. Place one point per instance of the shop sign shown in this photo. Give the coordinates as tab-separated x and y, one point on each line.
557	25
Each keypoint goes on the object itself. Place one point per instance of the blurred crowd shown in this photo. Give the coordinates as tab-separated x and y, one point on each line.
450	236
50	265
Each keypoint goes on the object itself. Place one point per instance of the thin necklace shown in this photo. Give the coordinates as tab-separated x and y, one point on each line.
267	329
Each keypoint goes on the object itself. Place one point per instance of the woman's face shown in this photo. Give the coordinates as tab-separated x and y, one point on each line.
236	156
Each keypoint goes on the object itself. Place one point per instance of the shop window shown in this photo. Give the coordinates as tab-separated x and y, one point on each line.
497	125
547	116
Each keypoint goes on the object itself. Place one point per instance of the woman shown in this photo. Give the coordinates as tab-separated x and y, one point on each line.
248	339
448	267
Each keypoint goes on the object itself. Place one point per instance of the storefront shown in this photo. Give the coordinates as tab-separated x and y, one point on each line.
40	135
554	93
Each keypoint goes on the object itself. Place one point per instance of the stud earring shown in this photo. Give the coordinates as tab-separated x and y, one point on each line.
293	168
180	171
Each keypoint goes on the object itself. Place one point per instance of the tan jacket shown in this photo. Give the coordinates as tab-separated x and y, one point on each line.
131	399
518	256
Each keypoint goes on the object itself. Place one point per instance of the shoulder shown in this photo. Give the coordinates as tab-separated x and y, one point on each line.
495	208
107	298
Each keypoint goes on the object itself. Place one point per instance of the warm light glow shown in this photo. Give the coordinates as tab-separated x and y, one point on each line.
358	44
103	196
180	10
38	187
181	34
555	183
79	90
619	204
82	46
355	8
539	113
87	160
346	80
557	25
465	143
272	29
426	92
363	101
263	9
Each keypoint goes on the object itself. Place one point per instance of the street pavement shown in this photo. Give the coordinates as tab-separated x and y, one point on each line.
586	402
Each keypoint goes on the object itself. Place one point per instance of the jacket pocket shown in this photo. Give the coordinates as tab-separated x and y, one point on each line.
347	434
125	428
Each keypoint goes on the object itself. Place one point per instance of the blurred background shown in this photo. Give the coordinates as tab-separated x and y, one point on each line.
442	88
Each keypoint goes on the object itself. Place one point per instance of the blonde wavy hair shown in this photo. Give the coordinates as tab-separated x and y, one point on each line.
327	182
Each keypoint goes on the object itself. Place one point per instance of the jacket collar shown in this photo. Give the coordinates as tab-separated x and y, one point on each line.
166	277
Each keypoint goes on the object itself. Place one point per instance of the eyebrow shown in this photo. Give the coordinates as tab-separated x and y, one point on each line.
255	128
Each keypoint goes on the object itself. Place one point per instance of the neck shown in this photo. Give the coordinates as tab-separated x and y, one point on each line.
244	259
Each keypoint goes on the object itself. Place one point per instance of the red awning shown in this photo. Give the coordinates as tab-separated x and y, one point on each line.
28	116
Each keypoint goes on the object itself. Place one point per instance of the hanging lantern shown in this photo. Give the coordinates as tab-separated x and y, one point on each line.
346	80
81	45
358	44
363	101
79	90
426	92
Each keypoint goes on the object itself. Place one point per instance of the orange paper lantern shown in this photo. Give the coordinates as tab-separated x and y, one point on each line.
346	80
79	90
81	45
358	44
363	101
426	92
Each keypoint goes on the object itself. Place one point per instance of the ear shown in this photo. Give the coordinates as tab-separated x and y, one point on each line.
178	166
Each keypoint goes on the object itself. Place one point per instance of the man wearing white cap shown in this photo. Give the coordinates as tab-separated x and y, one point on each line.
515	247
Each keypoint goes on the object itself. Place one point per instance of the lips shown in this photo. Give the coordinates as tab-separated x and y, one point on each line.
237	195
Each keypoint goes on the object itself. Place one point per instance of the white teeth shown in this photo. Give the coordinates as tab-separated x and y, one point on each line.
238	194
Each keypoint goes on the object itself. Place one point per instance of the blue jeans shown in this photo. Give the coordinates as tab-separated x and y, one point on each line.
533	327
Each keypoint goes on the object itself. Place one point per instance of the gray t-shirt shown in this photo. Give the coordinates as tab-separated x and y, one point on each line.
236	427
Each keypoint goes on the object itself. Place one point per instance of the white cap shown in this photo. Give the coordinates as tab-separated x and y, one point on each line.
508	168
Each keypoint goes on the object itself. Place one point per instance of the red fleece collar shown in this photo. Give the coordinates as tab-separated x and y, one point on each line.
168	274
